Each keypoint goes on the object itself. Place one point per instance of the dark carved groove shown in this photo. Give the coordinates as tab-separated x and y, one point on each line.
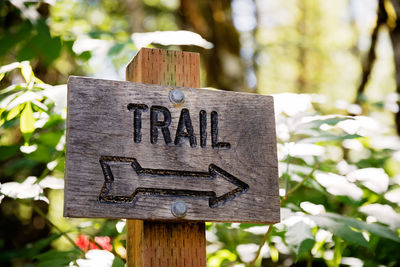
213	171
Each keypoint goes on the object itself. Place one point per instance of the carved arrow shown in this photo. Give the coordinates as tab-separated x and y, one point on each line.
213	172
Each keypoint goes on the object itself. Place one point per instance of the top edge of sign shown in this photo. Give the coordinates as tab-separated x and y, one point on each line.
72	79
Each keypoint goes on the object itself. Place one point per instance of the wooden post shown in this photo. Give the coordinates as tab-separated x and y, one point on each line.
161	244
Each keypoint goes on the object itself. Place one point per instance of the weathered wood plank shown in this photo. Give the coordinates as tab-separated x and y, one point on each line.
101	125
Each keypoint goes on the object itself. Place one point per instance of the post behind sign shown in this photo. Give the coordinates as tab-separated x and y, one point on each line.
157	243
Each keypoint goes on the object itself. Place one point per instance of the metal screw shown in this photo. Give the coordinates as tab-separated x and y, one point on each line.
176	96
179	209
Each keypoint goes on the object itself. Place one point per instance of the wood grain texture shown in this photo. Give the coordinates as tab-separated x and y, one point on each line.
166	244
100	124
152	243
165	67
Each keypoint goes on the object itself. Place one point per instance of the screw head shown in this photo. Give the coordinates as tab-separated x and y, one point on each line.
179	209
176	96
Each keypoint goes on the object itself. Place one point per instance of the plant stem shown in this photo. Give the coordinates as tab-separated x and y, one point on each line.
40	212
283	201
262	244
287	176
294	189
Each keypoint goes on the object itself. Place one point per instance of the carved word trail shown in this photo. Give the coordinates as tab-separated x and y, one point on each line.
183	130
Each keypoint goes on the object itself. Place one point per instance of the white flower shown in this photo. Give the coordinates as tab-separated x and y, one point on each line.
26	189
374	179
338	185
383	213
52	182
393	196
312	208
95	258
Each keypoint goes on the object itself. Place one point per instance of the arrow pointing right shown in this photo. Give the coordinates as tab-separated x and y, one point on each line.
144	173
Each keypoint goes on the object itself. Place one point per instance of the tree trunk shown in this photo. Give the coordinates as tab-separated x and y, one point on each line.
213	21
371	57
395	37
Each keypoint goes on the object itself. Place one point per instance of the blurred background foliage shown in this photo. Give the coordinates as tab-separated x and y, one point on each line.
334	70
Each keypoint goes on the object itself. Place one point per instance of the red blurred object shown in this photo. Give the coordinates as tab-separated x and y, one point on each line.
85	244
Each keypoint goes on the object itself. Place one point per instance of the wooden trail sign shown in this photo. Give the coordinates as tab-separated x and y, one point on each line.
132	153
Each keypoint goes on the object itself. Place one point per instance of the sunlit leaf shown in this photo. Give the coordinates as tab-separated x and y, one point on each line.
26	71
9	67
221	256
27	120
24	97
37	80
274	253
14	112
13	87
4	103
39	105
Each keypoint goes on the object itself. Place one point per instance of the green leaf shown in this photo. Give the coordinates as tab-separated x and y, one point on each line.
39	105
86	55
118	262
42	154
315	124
329	137
13	38
300	238
41	244
373	228
57	258
116	49
14	112
2	76
11	88
221	256
274	253
27	120
29	251
8	151
340	229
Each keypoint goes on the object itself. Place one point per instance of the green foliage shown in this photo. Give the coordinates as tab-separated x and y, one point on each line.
341	229
29	252
56	258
